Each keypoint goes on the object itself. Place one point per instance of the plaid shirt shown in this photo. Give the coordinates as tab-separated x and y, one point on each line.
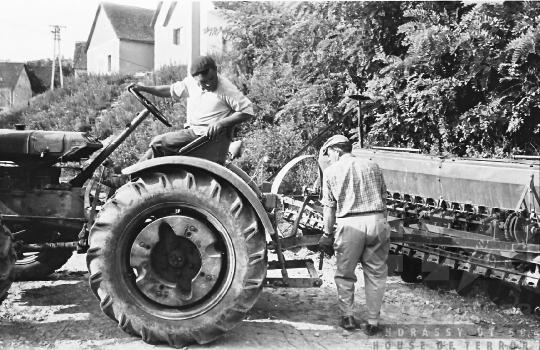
352	185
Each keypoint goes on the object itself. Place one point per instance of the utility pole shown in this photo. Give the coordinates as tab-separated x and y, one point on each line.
360	98
56	33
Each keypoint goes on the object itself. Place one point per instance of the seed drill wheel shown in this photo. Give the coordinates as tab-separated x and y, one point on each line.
431	284
36	266
177	256
463	282
8	256
436	277
529	302
411	270
285	182
496	291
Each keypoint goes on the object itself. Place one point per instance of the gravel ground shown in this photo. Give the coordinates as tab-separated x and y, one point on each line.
62	313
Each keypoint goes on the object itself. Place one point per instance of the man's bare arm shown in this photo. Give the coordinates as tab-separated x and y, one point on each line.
159	91
232	120
329	219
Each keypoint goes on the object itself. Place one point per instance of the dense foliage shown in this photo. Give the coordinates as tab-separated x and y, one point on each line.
444	77
39	73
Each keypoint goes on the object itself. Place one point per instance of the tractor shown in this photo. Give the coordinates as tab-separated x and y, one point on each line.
178	254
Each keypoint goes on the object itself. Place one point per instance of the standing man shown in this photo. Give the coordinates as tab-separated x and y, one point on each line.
213	104
354	197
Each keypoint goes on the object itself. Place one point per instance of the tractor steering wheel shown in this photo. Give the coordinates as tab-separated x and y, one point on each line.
149	106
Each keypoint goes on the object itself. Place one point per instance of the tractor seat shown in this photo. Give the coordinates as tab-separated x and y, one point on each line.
213	150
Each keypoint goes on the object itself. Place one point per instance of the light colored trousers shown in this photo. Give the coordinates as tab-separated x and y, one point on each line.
364	238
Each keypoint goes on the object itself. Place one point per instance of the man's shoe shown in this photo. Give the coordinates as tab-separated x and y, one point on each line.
372	330
347	322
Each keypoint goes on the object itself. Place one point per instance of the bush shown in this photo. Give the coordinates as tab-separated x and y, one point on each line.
101	105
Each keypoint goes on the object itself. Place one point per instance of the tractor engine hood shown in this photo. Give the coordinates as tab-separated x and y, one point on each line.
21	146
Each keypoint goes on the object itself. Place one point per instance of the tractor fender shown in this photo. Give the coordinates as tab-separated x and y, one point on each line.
213	168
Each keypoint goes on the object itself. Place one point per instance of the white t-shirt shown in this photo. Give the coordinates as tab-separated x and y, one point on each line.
205	107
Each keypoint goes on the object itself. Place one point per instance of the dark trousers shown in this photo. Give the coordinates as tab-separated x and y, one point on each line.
169	143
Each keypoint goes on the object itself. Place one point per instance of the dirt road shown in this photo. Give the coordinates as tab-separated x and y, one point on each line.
62	313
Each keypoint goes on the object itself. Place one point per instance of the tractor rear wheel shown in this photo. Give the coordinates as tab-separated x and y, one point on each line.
177	256
36	266
8	256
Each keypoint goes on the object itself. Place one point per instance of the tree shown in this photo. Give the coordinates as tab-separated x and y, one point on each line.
445	77
39	73
461	81
296	62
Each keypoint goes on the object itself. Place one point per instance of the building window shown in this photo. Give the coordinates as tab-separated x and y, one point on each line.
109	61
177	36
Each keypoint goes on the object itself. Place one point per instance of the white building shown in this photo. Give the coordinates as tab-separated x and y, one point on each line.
180	31
121	40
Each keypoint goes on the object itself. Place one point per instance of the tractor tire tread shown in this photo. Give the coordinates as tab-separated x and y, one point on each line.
166	182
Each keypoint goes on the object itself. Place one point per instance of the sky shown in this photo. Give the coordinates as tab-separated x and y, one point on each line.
25	34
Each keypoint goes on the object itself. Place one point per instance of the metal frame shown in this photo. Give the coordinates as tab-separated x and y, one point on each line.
313	281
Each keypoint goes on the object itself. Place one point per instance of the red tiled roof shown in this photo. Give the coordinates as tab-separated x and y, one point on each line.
10	73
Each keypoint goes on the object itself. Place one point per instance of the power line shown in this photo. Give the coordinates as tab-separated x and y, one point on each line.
19	25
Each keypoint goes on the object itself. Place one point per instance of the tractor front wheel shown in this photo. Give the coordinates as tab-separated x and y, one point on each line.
8	256
177	256
36	266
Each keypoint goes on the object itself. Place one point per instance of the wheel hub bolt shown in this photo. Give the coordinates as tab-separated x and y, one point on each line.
176	259
209	278
193	228
145	246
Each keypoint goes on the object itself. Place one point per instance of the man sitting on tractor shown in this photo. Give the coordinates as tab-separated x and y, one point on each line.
213	104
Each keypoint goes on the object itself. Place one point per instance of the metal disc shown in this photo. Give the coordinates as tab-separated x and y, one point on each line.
176	260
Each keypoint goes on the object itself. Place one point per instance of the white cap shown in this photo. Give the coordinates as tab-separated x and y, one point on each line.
333	141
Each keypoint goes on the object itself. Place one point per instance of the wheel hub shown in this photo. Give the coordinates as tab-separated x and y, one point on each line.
177	260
